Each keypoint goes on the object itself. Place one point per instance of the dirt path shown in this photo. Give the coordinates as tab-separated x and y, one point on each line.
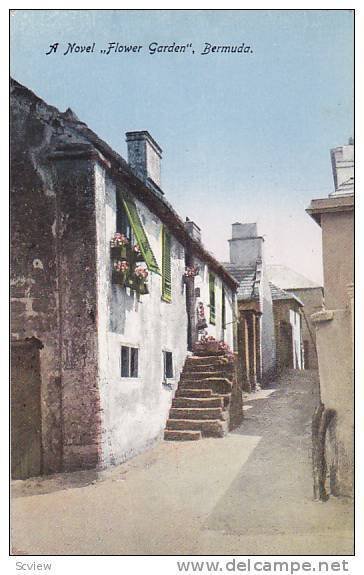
248	493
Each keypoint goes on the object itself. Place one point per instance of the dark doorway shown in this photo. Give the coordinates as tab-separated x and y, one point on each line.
286	345
26	428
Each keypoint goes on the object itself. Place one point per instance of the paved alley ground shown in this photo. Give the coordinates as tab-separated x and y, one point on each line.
249	493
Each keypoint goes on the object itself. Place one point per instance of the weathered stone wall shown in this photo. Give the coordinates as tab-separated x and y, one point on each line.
53	282
335	352
34	277
76	247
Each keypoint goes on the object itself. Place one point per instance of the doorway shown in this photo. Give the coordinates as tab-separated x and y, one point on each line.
26	421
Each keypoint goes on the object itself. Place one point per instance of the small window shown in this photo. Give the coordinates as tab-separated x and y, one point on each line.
129	361
212	298
122	221
168	364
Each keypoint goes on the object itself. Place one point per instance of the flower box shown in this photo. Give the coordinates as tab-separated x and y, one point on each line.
141	286
120	278
136	254
119	252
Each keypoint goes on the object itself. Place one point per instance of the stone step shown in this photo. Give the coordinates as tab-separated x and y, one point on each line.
198	402
205	374
195	413
216	384
218	367
181	435
186	392
225	398
207	360
208	428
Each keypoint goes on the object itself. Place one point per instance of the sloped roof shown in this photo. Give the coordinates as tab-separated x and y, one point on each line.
286	278
248	278
85	138
279	294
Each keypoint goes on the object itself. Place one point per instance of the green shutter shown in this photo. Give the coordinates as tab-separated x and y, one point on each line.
166	265
212	298
223	309
140	234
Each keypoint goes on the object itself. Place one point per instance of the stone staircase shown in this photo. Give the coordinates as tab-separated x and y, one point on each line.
201	406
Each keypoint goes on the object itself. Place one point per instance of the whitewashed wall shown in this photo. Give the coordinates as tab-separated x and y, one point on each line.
295	321
135	410
202	282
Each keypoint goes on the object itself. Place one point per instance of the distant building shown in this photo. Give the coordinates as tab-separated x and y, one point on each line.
256	343
311	295
100	330
333	437
287	312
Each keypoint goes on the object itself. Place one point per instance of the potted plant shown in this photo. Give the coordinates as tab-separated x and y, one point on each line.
190	273
119	246
136	254
121	272
140	280
207	344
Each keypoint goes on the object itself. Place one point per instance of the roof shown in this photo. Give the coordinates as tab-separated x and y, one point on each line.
286	278
279	294
121	171
248	278
332	204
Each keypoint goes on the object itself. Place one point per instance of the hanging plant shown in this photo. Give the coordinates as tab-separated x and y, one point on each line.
119	245
191	272
140	278
121	272
136	254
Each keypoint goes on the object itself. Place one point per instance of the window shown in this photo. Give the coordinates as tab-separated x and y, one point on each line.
129	361
122	221
168	364
212	298
166	265
223	309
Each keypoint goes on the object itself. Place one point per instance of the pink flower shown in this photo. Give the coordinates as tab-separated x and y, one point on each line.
121	266
118	240
141	272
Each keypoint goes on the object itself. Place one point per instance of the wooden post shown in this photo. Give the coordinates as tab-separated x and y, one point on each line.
252	351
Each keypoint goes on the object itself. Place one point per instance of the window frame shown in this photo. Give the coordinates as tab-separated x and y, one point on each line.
165	374
223	308
212	298
131	351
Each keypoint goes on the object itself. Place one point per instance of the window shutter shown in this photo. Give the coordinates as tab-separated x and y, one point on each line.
140	234
166	265
212	298
223	309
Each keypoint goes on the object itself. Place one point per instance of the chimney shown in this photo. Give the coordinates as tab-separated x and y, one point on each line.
193	230
246	247
144	157
342	160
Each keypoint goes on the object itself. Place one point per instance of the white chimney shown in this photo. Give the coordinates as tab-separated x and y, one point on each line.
246	247
144	158
342	160
193	230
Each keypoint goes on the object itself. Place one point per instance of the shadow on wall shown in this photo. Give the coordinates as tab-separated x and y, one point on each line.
121	303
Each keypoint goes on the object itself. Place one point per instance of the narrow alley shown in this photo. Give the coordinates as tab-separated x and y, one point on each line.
247	493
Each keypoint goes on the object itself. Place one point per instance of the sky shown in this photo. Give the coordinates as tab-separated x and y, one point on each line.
245	136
